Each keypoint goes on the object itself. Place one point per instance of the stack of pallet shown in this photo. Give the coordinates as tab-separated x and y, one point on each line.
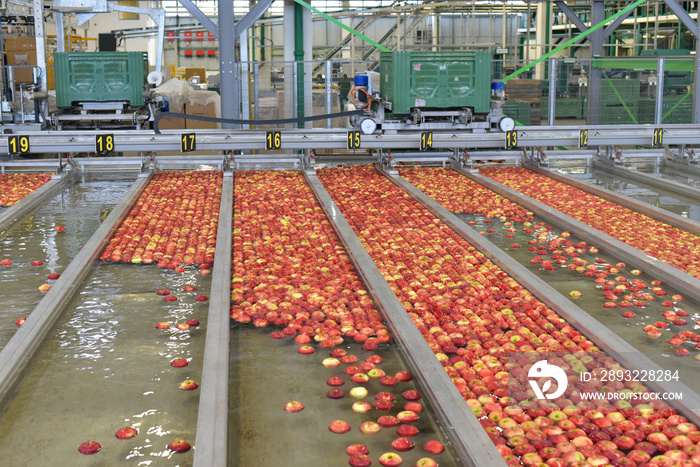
526	96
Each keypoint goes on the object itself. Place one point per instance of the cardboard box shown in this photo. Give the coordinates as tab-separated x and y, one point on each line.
166	123
21	52
187	73
203	104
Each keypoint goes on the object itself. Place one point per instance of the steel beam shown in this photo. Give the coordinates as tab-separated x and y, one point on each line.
604	338
21	351
212	417
197	14
461	426
683	16
610	28
596	74
252	16
575	20
228	67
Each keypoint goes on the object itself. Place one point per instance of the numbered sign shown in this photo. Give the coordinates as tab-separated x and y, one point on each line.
426	140
188	142
17	144
583	139
273	140
104	144
658	139
511	139
353	140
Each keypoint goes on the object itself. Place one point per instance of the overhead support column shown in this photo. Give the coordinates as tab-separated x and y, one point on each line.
201	17
39	32
683	16
228	68
696	93
542	36
596	74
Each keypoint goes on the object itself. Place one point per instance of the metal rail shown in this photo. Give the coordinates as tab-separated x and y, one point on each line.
461	426
212	418
20	352
604	338
300	139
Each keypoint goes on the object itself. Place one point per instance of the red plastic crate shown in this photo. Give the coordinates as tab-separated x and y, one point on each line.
188	35
211	36
199	35
200	52
170	35
188	52
211	53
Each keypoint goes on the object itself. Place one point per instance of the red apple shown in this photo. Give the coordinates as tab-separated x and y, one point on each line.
179	363
407	416
162	325
179	445
404	376
360	460
126	433
193	322
201	298
306	350
183	326
89	447
388	380
339	426
370	428
403	444
335	393
359	378
53	276
44	288
59	228
335	381
411	395
433	447
426	462
357	448
189	385
5	262
388	421
37	263
389	459
20	321
189	288
407	430
413	407
361	407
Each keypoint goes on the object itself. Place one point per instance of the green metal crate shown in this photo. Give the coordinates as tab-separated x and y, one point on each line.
518	111
436	80
100	77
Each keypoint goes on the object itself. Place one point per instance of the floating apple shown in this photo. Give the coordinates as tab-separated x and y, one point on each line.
357	448
339	426
389	380
426	462
360	460
411	395
163	292
407	416
179	446
89	447
189	385
163	325
390	459
53	276
59	228
179	363
403	376
189	288
403	444
306	350
407	430
574	294
370	428
193	322
37	263
5	262
387	421
170	298
201	298
20	321
361	407
335	381
433	447
331	362
358	392
359	378
183	326
126	433
293	406
335	393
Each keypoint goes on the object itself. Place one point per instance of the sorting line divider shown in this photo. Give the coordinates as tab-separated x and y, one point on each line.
657	182
659	214
608	341
36	198
18	355
461	427
685	168
211	441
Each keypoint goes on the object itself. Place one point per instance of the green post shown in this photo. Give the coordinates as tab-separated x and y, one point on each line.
299	58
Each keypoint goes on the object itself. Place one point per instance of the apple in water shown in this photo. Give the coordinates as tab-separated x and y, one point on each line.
388	380
183	326
126	433
44	288
293	406
383	404
201	298
404	376
89	447
189	288
20	321
189	385
360	460
335	381
414	407
5	262
411	395
407	416
193	322
433	447
331	362
59	228
179	363
179	445
388	421
306	350
163	292
358	392
359	378
357	448
335	393
370	428
389	459
37	263
403	444
387	396
426	462
163	325
339	426
361	407
374	359
170	298
376	373
53	276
